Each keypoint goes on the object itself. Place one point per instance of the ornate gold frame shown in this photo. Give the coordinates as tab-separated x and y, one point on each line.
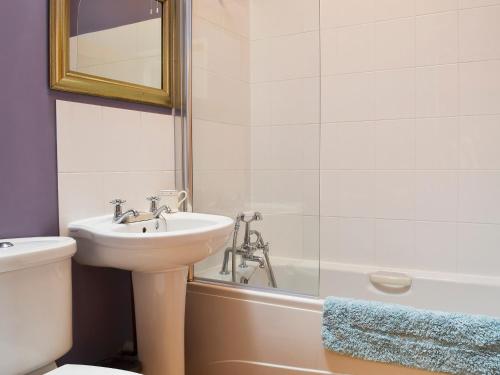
63	79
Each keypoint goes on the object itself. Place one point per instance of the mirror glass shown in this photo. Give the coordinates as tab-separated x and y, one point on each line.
117	39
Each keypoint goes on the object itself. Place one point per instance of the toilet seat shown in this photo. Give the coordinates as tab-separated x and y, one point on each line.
88	370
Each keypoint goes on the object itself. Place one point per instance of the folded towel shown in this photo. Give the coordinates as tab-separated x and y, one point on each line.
436	341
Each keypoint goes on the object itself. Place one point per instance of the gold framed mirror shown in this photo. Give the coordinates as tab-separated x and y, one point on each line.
130	59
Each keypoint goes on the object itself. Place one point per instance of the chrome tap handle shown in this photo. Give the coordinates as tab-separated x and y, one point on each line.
154	203
118	206
249	216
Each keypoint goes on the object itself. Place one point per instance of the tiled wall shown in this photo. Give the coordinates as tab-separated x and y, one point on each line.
285	118
129	53
373	122
410	160
105	153
221	107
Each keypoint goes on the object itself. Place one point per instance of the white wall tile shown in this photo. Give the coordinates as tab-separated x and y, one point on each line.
395	43
260	104
395	144
83	127
220	99
480	87
295	56
295	192
479	194
261	60
92	169
389	9
348	145
348	49
157	142
395	94
295	101
261	147
221	192
433	6
395	195
348	240
262	191
294	147
295	16
287	235
436	196
284	147
478	246
437	91
476	3
479	30
348	194
348	97
335	13
436	246
437	143
209	40
126	124
437	38
80	196
311	238
230	14
479	148
211	146
395	243
77	126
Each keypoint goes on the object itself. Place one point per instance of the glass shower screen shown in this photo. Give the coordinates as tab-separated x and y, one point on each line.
256	152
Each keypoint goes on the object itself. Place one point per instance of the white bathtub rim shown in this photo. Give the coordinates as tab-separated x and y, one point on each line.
453	277
464	278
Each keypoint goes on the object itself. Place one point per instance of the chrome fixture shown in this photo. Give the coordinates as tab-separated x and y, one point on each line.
119	217
247	249
155	210
5	245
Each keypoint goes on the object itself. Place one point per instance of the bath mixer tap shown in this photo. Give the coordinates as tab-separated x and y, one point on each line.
248	248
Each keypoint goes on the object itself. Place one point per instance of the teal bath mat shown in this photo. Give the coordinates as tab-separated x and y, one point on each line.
429	340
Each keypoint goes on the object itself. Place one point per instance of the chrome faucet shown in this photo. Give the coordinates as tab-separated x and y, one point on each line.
119	217
248	248
155	210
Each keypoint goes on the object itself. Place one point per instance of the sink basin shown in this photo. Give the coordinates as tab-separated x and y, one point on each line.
174	240
158	253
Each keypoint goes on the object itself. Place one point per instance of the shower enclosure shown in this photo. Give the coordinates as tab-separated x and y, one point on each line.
256	138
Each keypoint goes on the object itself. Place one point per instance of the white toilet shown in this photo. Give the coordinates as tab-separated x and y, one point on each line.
35	307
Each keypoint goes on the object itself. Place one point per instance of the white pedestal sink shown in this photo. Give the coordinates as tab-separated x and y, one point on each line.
158	253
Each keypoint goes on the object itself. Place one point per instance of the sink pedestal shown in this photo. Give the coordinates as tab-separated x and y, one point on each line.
159	314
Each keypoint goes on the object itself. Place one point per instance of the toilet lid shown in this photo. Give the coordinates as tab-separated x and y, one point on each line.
88	370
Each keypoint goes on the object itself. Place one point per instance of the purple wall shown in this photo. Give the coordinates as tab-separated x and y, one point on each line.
28	174
95	15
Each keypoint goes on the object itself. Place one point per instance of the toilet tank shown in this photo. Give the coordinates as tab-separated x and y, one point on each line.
35	302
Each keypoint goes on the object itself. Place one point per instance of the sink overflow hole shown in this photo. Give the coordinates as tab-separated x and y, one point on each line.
144	230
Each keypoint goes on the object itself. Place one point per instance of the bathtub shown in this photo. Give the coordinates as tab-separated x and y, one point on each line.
246	331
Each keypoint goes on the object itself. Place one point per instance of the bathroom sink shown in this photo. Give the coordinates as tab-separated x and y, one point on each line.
158	253
173	240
